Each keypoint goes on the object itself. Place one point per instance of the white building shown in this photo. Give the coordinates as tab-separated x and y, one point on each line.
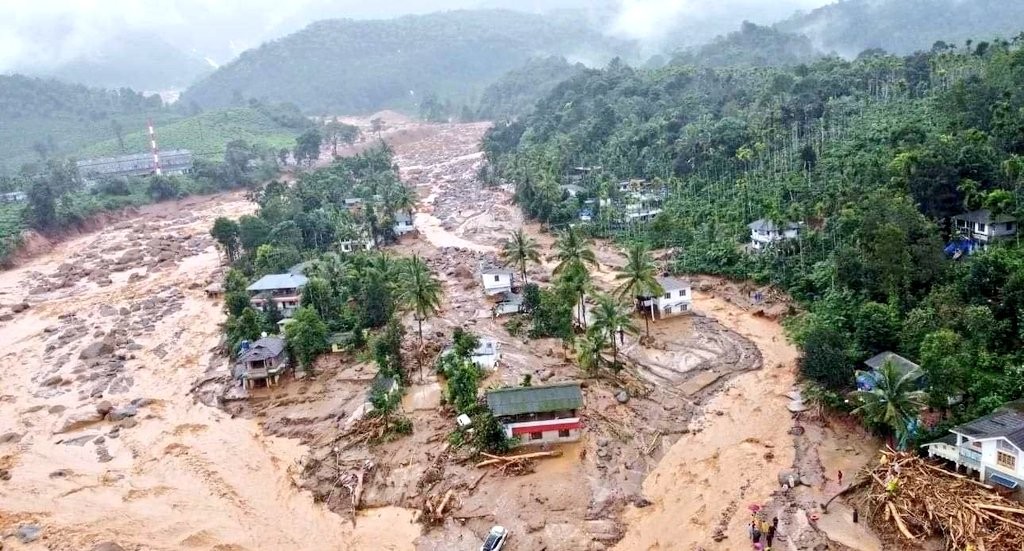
403	224
508	303
353	245
982	226
496	280
990	447
539	414
676	299
573	190
764	232
487	354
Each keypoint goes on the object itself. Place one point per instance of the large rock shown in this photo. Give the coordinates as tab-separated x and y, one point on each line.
99	348
28	533
104	407
20	307
789	477
622	396
78	419
53	380
107	546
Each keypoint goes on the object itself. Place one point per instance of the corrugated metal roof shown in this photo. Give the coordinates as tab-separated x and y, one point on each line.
272	282
535	399
764	224
904	364
983	216
671	284
265	348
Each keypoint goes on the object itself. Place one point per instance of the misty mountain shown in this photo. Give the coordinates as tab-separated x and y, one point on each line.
905	26
751	46
517	92
135	60
348	66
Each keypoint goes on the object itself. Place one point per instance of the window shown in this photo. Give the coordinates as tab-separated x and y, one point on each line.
682	292
563	434
668	309
496	278
1009	226
1007	460
981	227
668	294
536	435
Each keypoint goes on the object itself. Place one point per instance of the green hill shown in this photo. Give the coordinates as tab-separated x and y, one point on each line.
207	133
345	66
517	91
905	26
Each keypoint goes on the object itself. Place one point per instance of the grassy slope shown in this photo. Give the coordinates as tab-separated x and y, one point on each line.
205	134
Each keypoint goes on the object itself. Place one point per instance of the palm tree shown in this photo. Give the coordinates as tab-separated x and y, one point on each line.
639	278
588	352
520	249
895	400
609	318
574	255
419	291
573	250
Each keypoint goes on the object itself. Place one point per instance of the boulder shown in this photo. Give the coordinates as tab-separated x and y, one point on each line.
104	407
10	438
107	546
20	307
622	396
789	478
53	380
28	533
99	348
122	413
78	419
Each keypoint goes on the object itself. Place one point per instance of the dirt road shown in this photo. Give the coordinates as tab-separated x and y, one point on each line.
160	471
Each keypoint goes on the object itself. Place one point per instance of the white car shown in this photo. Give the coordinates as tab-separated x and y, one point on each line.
495	539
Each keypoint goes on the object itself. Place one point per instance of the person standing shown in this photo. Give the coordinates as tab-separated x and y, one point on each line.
840	473
770	534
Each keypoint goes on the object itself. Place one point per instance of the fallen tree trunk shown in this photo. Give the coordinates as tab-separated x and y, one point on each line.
495	459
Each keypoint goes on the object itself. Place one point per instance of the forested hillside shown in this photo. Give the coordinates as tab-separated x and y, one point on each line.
905	26
751	46
516	92
345	66
870	157
46	117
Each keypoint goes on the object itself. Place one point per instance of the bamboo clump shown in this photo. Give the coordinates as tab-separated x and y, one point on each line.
908	499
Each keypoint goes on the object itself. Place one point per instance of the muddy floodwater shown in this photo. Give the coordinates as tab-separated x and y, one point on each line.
108	337
159	470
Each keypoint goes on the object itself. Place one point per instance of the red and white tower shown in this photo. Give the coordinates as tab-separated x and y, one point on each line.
156	152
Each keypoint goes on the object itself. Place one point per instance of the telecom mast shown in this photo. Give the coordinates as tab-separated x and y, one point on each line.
156	152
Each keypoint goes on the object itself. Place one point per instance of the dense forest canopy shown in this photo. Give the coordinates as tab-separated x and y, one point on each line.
753	46
870	157
518	90
905	26
346	66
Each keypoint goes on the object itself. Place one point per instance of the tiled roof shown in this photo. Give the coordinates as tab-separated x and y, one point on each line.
272	282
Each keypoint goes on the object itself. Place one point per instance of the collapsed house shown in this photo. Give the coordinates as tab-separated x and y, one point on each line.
263	360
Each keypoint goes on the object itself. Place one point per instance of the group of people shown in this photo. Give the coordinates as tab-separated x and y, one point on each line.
762	534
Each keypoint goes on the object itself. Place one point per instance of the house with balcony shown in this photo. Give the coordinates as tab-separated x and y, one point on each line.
285	290
764	233
982	227
675	299
547	414
263	360
989	448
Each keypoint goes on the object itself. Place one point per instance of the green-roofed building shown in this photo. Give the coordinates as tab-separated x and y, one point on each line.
539	414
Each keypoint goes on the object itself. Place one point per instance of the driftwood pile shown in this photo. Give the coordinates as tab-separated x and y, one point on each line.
908	499
515	465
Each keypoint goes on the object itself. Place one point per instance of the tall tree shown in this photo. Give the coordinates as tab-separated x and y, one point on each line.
520	249
226	232
574	258
306	336
307	146
421	292
639	279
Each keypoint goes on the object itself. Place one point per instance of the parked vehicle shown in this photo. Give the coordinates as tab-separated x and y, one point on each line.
495	539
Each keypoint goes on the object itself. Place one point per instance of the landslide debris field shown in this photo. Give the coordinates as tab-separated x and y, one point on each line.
118	422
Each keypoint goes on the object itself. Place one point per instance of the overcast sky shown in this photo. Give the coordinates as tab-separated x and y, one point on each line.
43	33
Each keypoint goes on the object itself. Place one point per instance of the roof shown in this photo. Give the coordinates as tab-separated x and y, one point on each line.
265	348
382	384
573	188
134	162
341	337
904	364
496	271
764	224
271	282
671	284
983	216
487	347
510	297
534	399
1006	422
403	218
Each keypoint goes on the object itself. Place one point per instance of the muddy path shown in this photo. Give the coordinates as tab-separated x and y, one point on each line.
98	434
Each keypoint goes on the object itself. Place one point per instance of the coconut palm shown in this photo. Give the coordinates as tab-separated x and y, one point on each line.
895	400
520	249
639	278
573	249
588	352
419	291
609	318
